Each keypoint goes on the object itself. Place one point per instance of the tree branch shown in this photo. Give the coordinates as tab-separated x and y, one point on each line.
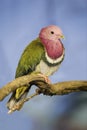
60	88
18	82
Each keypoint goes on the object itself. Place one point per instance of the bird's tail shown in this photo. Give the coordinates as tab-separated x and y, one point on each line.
17	97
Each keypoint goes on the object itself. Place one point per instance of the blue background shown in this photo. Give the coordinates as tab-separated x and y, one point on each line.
20	23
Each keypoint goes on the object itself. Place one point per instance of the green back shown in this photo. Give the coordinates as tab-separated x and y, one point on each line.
30	58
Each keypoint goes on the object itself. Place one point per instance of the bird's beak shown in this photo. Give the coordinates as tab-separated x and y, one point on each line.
62	37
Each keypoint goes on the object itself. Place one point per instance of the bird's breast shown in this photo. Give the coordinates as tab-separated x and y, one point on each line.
45	69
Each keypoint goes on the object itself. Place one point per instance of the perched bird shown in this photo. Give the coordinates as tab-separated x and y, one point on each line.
43	55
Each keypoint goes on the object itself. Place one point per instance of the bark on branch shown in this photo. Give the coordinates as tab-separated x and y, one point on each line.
60	88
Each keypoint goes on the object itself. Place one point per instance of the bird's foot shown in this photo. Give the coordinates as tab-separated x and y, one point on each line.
47	80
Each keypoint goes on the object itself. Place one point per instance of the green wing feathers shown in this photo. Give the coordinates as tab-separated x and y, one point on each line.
28	61
30	58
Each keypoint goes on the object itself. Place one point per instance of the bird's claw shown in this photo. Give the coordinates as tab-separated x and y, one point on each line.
47	80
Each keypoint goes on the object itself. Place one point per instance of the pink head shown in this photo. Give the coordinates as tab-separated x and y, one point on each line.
51	32
50	37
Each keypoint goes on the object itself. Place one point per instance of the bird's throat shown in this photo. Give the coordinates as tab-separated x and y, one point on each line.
54	49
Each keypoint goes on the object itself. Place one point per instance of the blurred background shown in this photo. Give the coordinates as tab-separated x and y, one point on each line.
20	23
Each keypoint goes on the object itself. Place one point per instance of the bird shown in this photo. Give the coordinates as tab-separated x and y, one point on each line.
43	55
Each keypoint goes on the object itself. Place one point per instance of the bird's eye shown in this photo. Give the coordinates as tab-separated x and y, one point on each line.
52	32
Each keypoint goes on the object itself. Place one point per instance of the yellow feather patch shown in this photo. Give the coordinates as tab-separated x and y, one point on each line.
20	91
